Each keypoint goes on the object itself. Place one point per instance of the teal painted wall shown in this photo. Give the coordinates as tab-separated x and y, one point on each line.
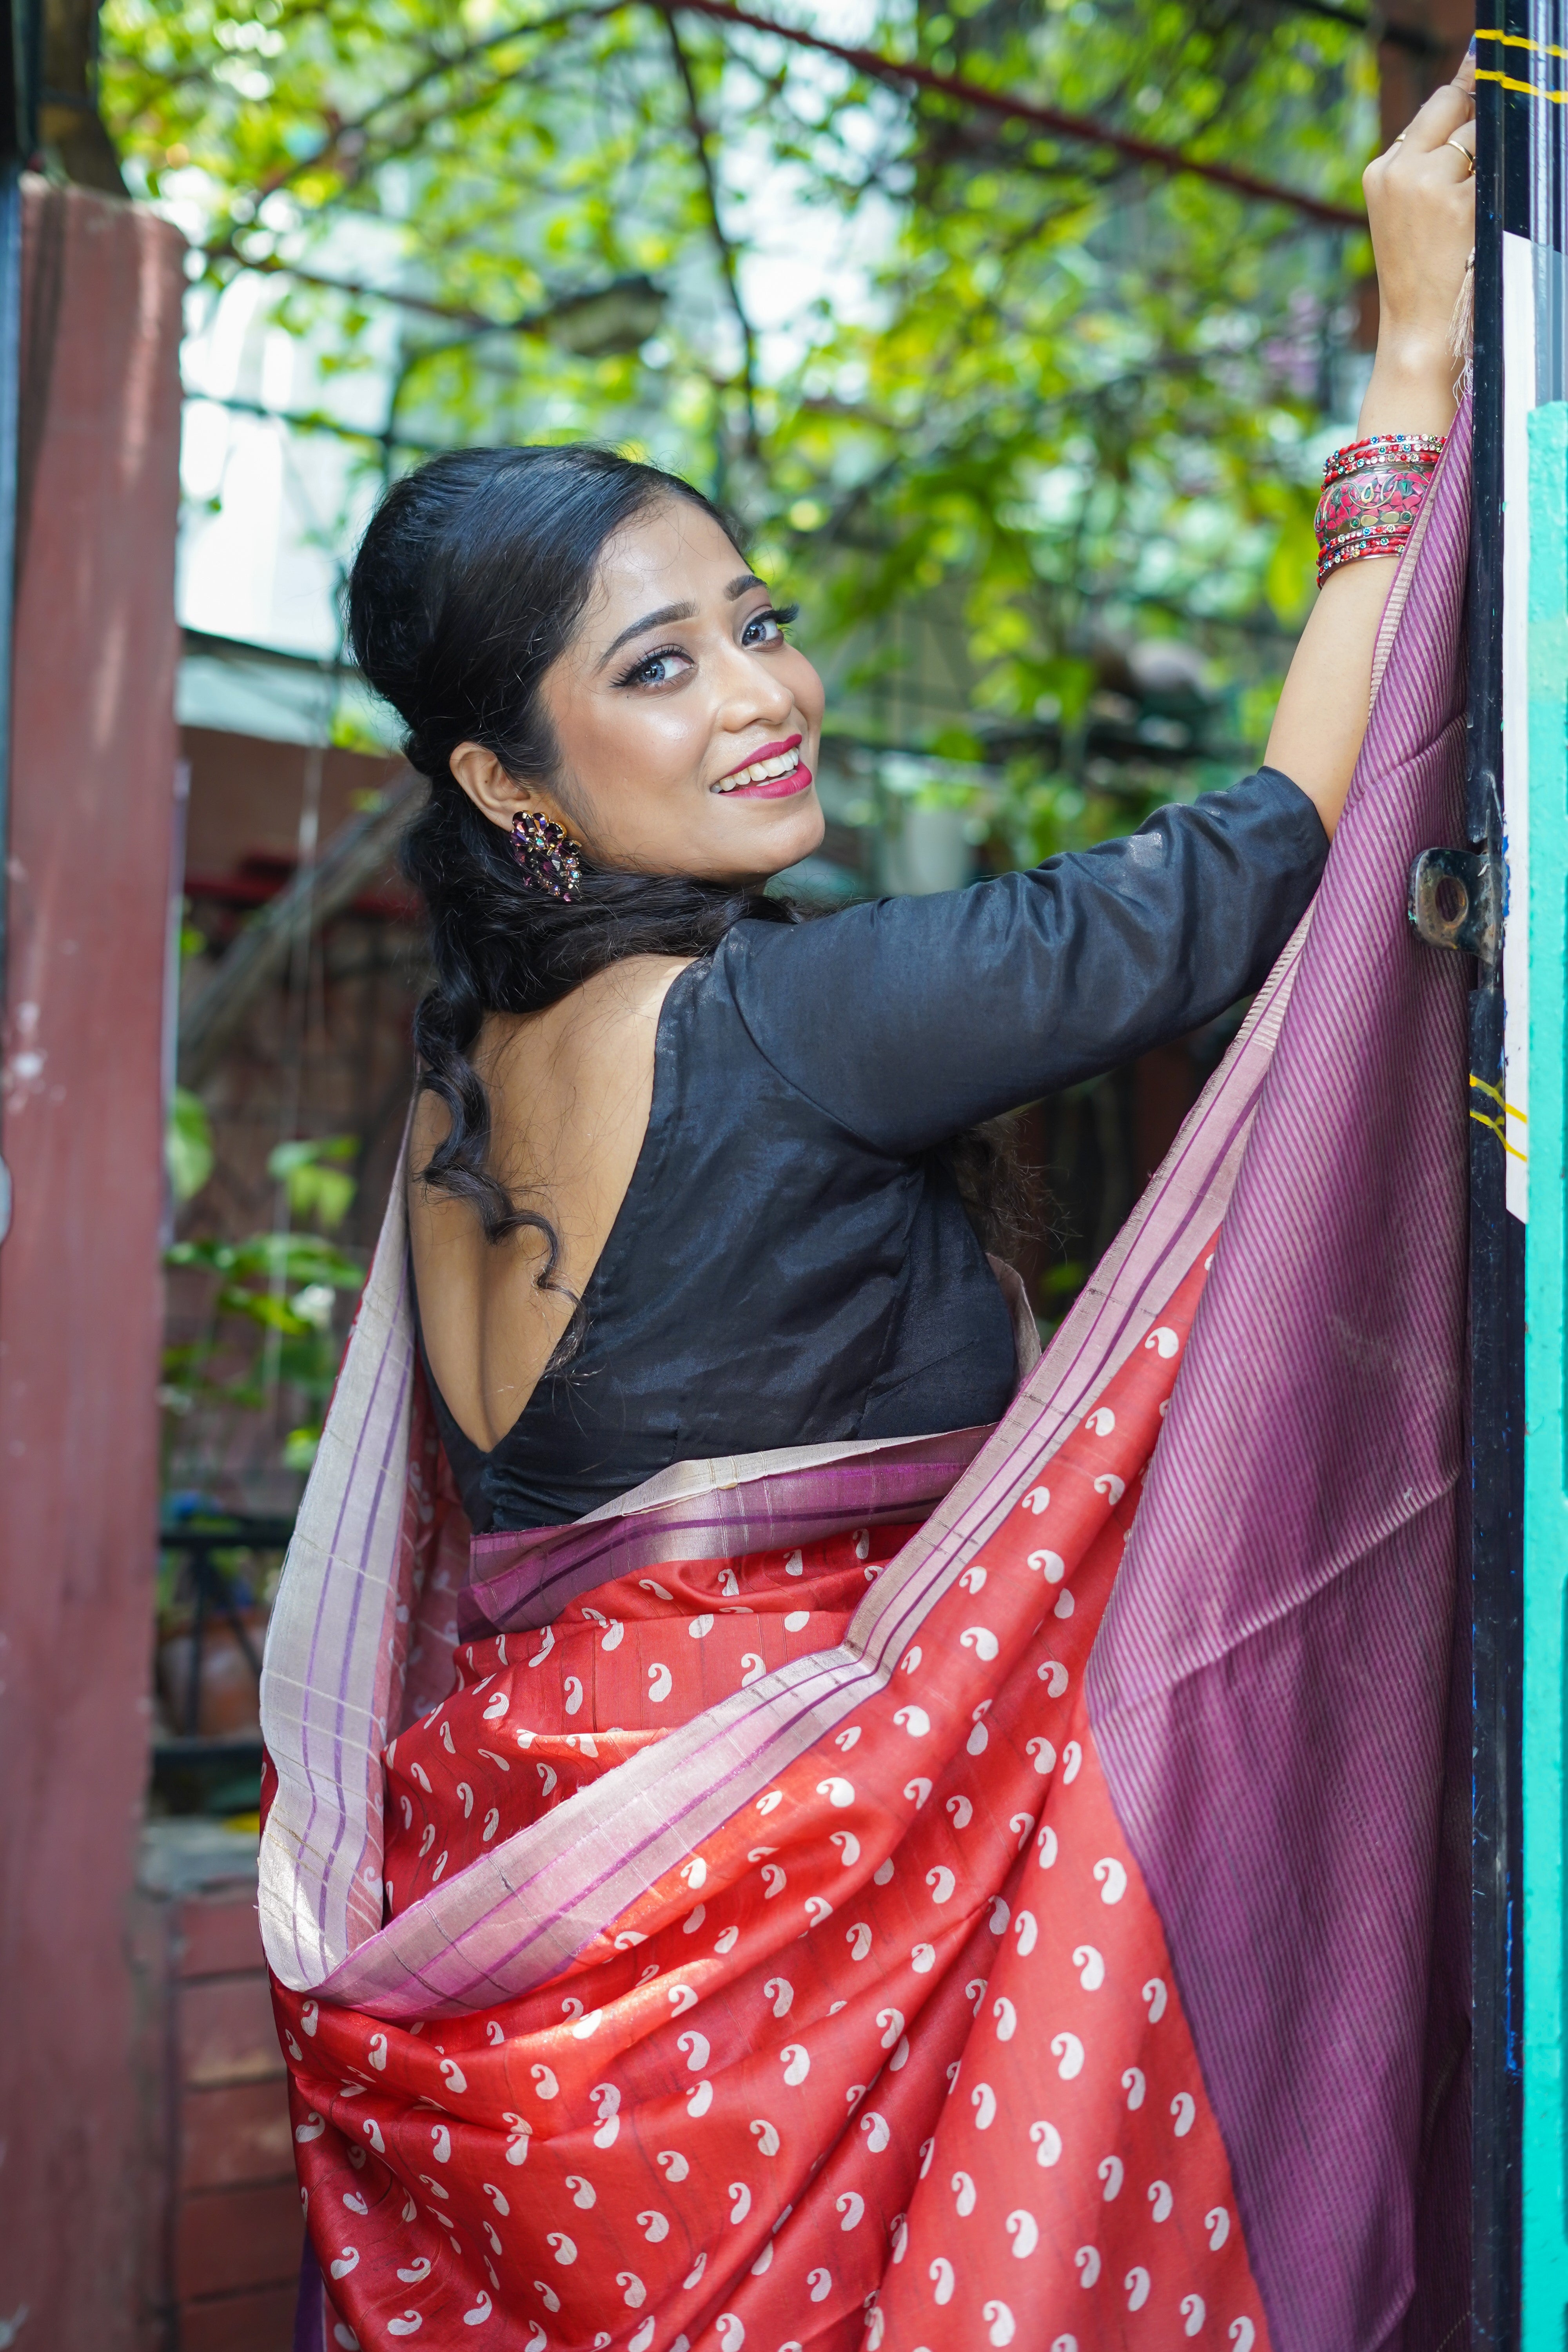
1545	2184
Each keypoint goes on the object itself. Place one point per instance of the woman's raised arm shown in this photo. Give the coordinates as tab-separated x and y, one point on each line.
1420	199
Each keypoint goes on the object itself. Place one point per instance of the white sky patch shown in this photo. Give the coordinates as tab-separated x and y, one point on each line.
263	525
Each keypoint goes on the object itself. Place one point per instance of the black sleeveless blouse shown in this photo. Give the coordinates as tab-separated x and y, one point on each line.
792	1263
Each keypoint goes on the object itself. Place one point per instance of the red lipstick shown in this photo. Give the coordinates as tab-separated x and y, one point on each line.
796	778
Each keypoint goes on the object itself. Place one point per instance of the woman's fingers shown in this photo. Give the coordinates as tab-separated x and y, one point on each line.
1443	130
1463	149
1420	200
1445	111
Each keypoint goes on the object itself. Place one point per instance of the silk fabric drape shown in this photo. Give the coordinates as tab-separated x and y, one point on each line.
1029	1946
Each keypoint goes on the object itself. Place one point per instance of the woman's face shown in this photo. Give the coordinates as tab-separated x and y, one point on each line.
678	685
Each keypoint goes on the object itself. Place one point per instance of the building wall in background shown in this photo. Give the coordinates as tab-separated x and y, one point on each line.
249	794
91	831
323	1049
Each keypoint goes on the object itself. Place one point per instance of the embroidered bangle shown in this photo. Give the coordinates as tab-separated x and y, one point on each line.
1422	449
1355	546
1373	492
1392	495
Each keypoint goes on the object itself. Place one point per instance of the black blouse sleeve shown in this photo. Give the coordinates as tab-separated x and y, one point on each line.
910	1019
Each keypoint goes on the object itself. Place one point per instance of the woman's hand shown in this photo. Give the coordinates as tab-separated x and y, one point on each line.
1421	202
1421	208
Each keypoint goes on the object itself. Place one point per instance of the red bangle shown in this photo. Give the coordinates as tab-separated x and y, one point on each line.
1422	449
1372	491
1357	545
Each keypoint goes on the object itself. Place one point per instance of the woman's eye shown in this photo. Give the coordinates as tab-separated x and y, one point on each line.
767	628
656	669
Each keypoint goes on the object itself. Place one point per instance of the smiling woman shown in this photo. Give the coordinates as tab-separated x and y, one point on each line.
683	1166
790	1971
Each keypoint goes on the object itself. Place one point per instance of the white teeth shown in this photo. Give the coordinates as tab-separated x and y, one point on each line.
761	772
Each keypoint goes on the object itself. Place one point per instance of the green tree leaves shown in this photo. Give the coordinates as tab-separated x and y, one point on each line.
935	356
319	1189
188	1145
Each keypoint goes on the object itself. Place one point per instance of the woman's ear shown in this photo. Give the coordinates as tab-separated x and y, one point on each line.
496	795
487	783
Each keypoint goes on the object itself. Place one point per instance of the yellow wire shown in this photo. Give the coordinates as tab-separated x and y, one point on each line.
1520	41
1521	1116
1495	1126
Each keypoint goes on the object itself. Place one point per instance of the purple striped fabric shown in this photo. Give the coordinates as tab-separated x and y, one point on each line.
526	1578
1273	1677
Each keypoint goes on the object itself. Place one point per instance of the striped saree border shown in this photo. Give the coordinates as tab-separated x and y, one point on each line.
528	1577
1275	1667
333	1666
517	1917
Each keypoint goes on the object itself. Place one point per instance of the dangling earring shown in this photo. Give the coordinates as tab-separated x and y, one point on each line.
547	856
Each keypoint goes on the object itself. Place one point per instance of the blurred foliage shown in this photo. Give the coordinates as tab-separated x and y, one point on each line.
187	1132
270	1324
316	1184
187	1144
1066	398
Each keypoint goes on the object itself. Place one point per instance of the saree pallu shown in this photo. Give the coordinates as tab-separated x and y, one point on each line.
981	1890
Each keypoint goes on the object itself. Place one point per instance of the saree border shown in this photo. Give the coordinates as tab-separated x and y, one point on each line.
763	1503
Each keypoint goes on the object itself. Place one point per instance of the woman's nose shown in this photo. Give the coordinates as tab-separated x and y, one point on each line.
753	691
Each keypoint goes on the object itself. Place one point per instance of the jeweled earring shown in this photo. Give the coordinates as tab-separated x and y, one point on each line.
547	856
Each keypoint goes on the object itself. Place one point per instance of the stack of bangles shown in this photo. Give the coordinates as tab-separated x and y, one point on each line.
1372	491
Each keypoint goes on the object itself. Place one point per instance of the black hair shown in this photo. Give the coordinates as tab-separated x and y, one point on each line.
468	584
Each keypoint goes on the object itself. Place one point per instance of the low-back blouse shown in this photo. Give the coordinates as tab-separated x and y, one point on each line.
792	1263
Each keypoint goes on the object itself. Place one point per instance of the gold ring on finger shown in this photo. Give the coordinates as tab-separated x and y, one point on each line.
1468	152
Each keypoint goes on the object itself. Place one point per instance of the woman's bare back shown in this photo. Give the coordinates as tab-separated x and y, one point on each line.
570	1092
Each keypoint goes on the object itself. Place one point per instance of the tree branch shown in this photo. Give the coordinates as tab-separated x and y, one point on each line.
973	94
726	252
537	323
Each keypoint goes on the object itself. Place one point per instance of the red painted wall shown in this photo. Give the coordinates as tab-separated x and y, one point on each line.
246	795
79	1292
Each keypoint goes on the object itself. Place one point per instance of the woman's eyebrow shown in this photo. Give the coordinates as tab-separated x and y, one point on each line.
687	611
649	621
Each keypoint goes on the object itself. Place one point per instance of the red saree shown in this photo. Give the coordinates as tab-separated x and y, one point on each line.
988	1889
891	2058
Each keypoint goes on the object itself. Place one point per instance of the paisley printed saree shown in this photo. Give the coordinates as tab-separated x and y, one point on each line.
990	1889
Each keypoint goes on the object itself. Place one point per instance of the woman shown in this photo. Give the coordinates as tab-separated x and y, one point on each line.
576	643
682	1189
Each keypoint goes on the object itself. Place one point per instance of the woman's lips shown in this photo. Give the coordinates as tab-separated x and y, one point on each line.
773	768
776	788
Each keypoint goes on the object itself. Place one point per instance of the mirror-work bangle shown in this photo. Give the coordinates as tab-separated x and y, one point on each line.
1388	495
1422	449
1373	492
